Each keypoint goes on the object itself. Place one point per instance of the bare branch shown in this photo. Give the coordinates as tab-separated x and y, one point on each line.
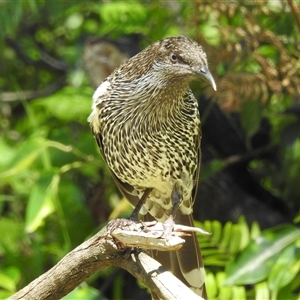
295	12
97	253
29	95
160	281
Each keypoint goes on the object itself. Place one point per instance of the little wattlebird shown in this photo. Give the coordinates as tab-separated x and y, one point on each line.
146	122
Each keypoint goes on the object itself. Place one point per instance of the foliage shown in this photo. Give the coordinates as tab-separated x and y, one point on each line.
52	178
245	263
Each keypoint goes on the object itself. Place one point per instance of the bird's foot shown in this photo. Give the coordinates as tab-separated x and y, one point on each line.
168	226
123	223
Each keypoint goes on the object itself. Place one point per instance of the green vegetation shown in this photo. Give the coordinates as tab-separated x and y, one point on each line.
54	189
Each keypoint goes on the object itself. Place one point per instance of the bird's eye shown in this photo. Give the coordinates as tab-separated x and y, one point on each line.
174	57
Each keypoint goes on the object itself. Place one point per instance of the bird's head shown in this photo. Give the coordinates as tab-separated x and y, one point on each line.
180	58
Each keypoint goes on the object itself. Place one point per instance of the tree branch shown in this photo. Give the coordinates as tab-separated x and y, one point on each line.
29	95
101	251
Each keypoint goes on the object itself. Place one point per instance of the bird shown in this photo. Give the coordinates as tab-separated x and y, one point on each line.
146	122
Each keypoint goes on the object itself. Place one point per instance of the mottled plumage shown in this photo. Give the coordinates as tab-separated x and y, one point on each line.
146	122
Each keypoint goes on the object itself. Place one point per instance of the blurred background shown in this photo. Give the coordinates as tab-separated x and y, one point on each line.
55	190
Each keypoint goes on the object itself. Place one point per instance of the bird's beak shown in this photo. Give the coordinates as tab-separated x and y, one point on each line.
205	73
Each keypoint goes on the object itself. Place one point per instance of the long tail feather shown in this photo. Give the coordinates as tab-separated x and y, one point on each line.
187	263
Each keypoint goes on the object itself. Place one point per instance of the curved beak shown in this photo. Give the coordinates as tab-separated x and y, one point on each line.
205	73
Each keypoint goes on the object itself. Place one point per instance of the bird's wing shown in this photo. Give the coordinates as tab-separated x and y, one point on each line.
198	149
126	189
197	173
187	263
101	95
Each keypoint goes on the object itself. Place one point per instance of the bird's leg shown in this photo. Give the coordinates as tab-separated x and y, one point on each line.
133	218
135	213
176	198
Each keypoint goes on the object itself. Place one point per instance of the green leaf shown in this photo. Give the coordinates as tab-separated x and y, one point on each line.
7	283
268	51
9	278
251	116
238	292
297	219
287	293
226	235
244	232
235	242
26	154
74	21
10	238
216	230
7	153
211	285
285	269
65	106
255	230
211	33
122	16
262	291
10	16
82	293
212	168
41	203
254	263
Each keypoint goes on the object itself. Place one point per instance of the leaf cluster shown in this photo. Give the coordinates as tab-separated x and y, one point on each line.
245	263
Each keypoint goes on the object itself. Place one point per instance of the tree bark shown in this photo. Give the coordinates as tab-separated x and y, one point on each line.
101	251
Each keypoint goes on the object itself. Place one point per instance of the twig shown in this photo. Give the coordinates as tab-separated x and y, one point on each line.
242	158
29	95
295	12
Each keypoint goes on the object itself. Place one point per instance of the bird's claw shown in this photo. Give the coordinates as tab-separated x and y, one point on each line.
168	226
123	223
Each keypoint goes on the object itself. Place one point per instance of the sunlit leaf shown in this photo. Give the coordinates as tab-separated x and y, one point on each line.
7	153
286	267
239	292
225	292
211	33
211	285
74	21
235	242
10	238
7	283
9	278
68	104
262	291
226	237
24	157
254	263
126	15
41	202
268	51
216	230
85	292
245	232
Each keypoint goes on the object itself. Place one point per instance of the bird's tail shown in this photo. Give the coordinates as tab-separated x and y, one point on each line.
186	263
